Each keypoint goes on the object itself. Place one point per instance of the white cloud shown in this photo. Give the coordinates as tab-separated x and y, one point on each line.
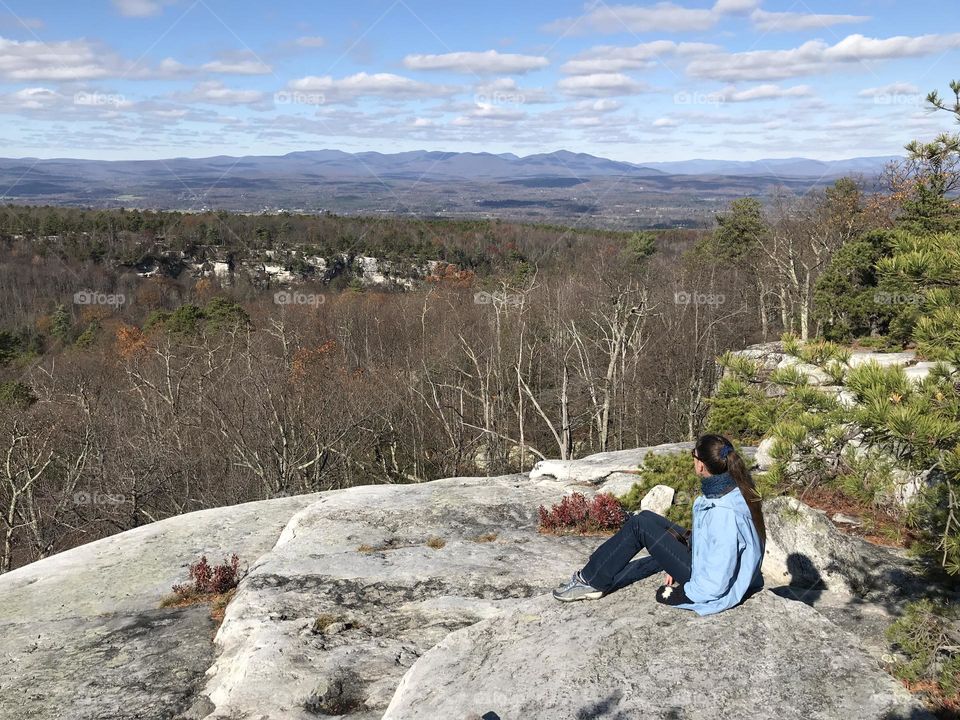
169	67
423	122
249	66
507	91
362	84
665	122
217	93
490	61
138	8
735	7
609	58
815	57
896	88
35	98
763	92
794	21
662	16
601	85
496	112
65	60
603	105
658	17
310	41
855	123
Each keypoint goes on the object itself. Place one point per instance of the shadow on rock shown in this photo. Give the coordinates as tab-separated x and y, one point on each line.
806	584
603	709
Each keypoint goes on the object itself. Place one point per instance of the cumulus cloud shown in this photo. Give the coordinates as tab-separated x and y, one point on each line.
662	16
34	98
610	58
735	7
384	85
658	17
603	105
507	91
763	92
896	88
815	57
601	85
238	66
794	21
65	60
487	62
310	41
138	8
219	94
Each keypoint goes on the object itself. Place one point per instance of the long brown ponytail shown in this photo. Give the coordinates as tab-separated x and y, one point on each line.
719	455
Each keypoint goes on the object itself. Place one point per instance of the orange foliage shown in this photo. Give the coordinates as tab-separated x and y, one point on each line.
130	341
153	293
449	275
205	289
91	313
306	360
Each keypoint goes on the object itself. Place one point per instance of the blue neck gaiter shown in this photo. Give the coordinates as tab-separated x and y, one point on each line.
716	485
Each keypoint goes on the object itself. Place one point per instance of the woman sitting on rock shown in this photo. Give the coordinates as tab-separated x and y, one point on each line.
727	541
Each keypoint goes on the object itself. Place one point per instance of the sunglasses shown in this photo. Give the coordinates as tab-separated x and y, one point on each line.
693	454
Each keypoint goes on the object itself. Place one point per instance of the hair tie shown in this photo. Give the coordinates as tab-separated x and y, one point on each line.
725	451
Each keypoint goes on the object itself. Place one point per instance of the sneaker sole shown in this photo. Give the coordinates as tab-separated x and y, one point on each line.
587	596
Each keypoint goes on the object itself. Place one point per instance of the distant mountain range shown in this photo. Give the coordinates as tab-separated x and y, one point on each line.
787	167
544	187
423	164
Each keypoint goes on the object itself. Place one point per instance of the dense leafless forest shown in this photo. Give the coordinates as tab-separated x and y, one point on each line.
129	396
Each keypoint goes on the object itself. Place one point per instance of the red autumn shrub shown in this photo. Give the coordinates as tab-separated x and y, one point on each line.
207	580
577	514
606	512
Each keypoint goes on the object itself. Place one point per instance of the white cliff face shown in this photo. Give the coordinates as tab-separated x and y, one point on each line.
432	601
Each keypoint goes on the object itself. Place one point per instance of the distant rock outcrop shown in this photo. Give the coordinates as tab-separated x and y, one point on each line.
431	600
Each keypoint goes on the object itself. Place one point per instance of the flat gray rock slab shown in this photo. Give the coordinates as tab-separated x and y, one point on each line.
132	570
82	635
595	469
118	667
362	563
627	657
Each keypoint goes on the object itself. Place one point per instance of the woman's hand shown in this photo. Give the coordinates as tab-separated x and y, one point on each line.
667	579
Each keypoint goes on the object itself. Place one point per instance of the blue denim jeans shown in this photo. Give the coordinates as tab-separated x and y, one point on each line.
642	530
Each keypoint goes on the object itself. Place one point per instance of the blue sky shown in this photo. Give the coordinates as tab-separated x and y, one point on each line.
641	81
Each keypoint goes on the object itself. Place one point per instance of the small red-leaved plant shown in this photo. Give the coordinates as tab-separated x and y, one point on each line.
207	580
576	514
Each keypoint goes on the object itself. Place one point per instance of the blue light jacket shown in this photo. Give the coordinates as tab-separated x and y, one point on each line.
726	554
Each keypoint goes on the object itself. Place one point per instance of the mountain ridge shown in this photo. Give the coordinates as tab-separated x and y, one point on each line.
493	165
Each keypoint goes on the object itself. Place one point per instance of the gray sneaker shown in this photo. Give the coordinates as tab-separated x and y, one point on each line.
576	589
